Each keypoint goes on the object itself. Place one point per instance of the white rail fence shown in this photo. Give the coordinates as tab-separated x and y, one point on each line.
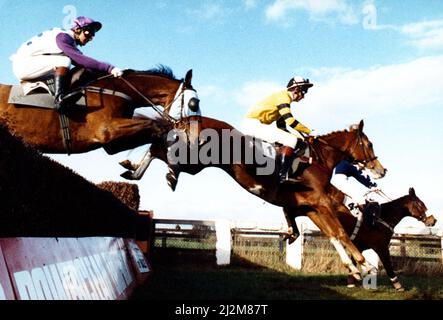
222	236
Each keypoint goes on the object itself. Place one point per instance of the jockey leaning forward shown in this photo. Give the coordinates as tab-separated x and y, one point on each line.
355	197
277	108
51	53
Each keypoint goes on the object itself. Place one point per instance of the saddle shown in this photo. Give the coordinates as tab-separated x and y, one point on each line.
271	150
371	212
39	92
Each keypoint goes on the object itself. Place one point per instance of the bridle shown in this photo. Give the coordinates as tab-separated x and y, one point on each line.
418	206
359	144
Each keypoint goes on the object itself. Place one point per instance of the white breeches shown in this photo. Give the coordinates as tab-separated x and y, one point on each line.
269	133
350	188
32	67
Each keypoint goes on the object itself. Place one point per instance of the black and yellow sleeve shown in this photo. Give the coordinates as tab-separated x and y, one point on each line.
285	112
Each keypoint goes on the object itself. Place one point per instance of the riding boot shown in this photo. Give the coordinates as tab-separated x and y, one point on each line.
60	88
300	148
63	99
287	157
371	212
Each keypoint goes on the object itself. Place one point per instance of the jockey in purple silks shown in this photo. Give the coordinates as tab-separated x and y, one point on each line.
54	51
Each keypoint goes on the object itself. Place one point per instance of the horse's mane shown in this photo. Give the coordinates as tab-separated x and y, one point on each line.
334	133
159	70
387	207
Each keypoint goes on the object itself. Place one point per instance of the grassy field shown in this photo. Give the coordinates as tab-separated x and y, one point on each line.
188	276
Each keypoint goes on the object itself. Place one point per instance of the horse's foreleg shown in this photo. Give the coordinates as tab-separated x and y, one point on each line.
323	220
139	169
172	176
346	241
129	165
350	278
293	231
385	258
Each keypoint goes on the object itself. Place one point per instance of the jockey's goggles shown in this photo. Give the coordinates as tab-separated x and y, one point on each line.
89	33
302	89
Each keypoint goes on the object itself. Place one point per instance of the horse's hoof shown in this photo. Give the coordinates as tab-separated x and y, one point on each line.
356	275
172	181
397	285
291	238
128	175
128	165
351	285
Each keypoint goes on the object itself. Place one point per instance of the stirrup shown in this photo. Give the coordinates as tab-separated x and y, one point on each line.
67	102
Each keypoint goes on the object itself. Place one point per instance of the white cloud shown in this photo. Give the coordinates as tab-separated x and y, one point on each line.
380	90
346	95
252	92
249	4
424	35
209	11
317	9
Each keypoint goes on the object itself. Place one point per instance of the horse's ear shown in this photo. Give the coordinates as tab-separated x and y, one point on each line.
188	78
412	192
361	125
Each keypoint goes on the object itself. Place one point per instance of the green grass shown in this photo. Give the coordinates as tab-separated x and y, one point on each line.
196	277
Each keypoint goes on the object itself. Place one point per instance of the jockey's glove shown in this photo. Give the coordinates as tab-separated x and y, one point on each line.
302	128
117	72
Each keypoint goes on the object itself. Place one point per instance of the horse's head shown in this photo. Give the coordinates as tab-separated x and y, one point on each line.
186	102
417	209
361	150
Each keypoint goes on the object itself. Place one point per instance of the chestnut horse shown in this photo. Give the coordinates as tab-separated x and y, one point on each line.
379	237
108	119
310	197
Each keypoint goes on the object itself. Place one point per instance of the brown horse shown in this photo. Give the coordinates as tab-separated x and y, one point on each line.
108	119
378	237
311	197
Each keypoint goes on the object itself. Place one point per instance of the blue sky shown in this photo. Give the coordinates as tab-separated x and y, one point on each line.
380	61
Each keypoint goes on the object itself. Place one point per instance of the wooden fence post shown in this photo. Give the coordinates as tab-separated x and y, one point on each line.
441	248
403	247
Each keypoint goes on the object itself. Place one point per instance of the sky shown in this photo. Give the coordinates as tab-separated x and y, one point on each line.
380	61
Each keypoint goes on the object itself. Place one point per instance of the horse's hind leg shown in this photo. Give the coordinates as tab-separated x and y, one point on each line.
293	231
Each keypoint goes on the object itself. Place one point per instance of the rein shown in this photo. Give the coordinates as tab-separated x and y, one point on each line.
163	114
156	109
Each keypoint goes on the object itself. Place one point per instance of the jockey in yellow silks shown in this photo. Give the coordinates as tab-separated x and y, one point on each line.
277	108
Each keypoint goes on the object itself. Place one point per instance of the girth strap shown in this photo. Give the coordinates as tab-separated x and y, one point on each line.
357	225
66	134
